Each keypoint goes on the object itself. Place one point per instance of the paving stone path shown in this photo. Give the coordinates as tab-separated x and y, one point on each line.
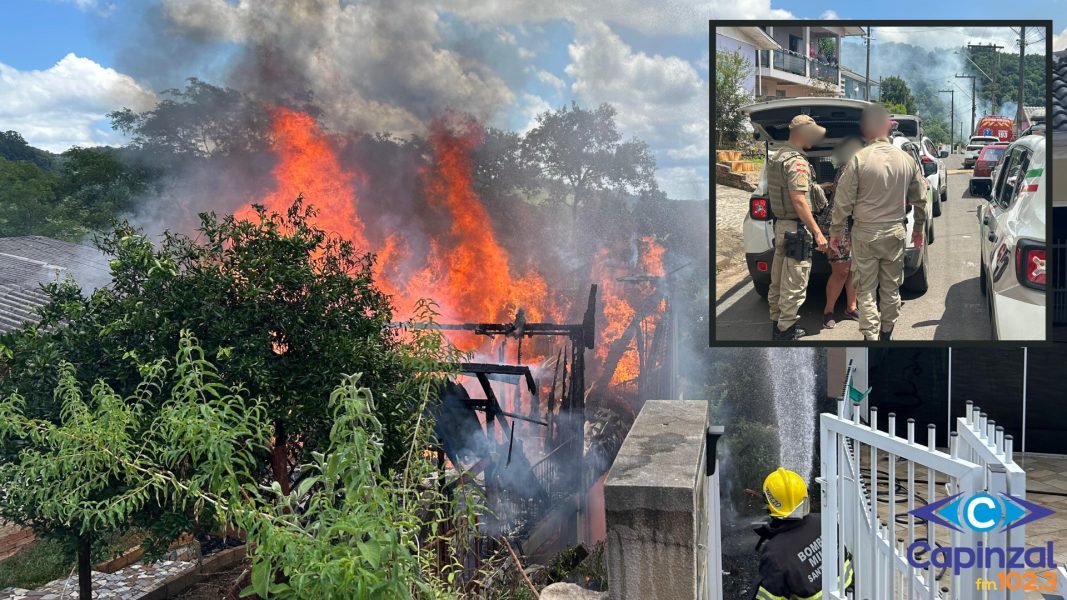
130	583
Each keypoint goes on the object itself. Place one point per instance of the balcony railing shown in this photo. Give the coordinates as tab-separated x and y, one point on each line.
784	60
824	72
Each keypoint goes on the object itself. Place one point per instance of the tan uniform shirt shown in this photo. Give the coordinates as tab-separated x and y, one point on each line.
797	170
879	181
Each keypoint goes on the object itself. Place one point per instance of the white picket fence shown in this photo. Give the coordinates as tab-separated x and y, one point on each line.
872	479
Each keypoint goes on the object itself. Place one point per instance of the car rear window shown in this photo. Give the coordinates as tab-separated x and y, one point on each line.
992	153
909	127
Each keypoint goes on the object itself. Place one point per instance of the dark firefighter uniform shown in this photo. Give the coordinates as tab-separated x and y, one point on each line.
790	566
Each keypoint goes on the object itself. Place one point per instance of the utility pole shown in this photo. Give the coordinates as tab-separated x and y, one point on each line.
971	77
996	69
867	85
1022	75
951	118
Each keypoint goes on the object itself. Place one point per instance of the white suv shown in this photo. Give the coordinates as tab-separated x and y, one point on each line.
1011	225
974	147
840	117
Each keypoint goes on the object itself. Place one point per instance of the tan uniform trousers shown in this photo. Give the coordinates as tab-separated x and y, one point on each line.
878	267
789	279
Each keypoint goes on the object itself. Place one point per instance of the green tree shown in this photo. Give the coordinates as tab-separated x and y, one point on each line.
580	152
289	307
14	147
732	70
894	90
186	443
27	198
199	121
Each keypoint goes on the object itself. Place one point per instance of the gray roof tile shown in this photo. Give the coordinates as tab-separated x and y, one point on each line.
27	263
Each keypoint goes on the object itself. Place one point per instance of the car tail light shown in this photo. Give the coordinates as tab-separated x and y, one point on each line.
927	159
1030	264
758	208
762	266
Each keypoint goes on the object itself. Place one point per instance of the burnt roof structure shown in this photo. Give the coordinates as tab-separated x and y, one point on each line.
1059	91
30	262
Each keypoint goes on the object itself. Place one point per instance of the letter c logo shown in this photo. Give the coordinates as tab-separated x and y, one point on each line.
982	512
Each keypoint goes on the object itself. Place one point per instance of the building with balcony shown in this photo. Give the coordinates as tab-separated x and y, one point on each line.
807	62
749	41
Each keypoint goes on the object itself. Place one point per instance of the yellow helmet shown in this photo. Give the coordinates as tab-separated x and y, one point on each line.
786	493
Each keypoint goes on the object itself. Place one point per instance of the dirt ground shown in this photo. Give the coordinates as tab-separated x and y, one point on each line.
731	205
216	585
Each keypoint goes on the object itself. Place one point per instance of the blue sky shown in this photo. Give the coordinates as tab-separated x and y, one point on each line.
65	63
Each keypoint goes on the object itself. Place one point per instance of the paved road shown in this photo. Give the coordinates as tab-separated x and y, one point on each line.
951	309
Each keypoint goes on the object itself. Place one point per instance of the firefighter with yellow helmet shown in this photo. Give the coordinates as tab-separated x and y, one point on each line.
794	199
790	545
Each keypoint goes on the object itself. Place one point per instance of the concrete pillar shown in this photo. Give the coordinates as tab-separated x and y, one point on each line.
657	507
807	52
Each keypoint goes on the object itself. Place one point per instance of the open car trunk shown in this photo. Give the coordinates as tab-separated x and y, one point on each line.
840	116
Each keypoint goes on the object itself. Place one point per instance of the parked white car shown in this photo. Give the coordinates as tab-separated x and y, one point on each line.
1012	235
933	167
840	117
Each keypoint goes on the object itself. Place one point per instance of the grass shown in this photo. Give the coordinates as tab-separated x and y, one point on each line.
40	563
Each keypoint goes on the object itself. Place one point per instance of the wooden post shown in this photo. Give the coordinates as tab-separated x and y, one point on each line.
279	460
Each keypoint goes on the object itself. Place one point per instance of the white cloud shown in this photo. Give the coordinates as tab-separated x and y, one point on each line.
532	105
661	99
956	37
62	106
375	65
683	183
103	8
688	17
1059	41
545	77
829	14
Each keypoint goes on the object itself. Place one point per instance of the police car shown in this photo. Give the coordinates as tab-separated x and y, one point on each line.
841	117
1011	225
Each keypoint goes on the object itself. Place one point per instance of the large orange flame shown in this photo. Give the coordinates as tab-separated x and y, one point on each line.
466	269
308	165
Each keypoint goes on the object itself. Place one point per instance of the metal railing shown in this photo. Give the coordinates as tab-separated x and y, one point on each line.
824	72
784	60
872	480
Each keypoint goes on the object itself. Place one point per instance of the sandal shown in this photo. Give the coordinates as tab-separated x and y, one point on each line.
853	315
828	321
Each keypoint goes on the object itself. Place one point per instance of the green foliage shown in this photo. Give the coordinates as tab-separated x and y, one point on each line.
27	199
13	147
44	561
936	131
1007	77
187	443
578	151
752	452
285	308
199	121
731	71
895	91
85	191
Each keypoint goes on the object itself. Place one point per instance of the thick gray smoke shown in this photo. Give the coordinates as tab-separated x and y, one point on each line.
369	66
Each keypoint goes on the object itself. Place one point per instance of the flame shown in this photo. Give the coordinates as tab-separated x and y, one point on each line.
308	165
462	266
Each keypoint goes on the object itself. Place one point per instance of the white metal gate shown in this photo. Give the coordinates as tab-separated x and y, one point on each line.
872	480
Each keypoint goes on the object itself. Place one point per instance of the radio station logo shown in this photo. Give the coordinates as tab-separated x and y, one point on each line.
982	513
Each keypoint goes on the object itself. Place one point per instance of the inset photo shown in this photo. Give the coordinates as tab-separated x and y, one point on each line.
880	183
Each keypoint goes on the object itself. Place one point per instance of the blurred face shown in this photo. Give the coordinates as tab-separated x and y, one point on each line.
805	137
876	127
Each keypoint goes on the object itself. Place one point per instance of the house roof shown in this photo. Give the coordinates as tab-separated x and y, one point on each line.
30	262
1059	92
754	35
